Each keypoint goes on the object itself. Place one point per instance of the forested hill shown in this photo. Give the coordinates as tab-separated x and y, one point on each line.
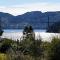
37	19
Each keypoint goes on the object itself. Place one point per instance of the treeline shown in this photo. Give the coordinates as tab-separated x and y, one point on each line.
29	48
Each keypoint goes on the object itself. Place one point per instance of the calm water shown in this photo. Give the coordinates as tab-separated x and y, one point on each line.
21	30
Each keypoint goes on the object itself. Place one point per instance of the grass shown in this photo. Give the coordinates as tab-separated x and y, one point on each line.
3	56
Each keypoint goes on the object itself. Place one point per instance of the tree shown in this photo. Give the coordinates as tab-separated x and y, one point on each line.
28	32
28	37
30	46
1	31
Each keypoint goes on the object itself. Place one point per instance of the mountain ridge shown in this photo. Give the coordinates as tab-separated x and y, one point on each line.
37	19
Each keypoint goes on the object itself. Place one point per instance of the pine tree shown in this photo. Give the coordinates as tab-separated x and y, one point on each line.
28	32
1	31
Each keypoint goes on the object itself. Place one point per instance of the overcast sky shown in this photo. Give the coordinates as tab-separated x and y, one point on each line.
17	7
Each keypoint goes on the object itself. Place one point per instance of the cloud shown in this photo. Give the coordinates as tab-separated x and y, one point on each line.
21	9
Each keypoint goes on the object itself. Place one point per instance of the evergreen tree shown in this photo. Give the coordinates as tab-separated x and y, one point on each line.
1	31
30	46
28	32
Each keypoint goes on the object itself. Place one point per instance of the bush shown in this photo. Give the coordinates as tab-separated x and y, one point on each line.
54	52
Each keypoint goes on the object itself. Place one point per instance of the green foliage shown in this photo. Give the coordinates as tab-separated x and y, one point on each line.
1	32
5	44
36	49
28	29
28	32
54	52
30	46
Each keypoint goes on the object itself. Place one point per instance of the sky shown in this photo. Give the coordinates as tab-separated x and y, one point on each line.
18	7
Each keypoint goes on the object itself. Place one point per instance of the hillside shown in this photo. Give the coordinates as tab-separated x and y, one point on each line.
37	19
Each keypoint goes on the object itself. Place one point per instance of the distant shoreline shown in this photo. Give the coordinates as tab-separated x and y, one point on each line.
17	34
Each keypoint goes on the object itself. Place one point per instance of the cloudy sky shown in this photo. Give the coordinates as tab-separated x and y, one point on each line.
17	7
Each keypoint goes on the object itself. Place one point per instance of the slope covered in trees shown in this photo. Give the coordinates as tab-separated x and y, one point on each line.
37	19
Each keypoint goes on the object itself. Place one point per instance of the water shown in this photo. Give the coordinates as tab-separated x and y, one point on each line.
21	30
12	30
15	34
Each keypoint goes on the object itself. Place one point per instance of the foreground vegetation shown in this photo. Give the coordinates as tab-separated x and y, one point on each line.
29	48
